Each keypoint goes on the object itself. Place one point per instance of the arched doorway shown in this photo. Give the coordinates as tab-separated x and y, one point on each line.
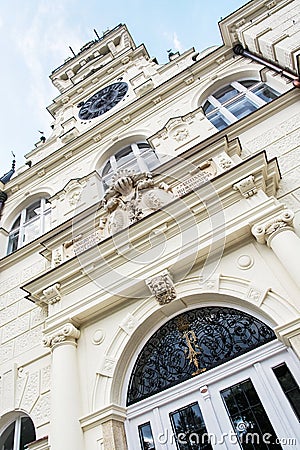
213	377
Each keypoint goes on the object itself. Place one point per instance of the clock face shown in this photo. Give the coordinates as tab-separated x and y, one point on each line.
103	101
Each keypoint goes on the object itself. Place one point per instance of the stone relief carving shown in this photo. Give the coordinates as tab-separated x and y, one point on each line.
130	197
162	287
246	186
264	232
108	367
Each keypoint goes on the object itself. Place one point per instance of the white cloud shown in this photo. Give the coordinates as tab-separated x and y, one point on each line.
43	44
177	44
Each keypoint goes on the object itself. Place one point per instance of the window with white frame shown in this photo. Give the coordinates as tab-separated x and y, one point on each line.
18	434
33	221
138	156
236	100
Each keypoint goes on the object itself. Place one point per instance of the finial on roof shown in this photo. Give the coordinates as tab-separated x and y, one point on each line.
7	176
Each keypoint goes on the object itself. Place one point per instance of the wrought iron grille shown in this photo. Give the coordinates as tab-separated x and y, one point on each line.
191	343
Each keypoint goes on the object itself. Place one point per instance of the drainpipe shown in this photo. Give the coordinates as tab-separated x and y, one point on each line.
238	49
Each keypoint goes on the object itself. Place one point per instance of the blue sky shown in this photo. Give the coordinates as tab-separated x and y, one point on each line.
35	36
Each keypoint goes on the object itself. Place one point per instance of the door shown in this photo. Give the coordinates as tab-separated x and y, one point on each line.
249	403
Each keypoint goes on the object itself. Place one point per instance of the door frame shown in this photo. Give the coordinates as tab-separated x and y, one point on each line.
256	364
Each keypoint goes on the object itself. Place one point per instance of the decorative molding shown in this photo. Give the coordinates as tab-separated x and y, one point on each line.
51	294
98	337
108	367
97	137
256	295
246	186
130	197
210	284
162	287
129	324
245	262
68	333
266	231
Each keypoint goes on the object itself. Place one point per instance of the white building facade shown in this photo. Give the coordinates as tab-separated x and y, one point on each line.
150	249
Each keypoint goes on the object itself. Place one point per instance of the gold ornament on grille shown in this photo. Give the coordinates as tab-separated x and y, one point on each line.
193	349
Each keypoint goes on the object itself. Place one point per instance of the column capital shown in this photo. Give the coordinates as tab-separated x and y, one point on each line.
265	231
68	333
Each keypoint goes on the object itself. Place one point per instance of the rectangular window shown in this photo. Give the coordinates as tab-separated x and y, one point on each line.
248	417
189	428
146	437
289	386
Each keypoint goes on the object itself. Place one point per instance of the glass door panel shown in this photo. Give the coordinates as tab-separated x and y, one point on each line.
189	428
248	417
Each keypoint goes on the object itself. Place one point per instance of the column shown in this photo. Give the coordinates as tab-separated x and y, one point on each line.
65	428
278	233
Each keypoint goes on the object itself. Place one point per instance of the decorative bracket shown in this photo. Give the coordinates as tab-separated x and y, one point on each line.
51	294
246	186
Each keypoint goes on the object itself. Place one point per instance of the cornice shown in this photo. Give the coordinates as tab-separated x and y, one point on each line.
248	13
110	412
100	259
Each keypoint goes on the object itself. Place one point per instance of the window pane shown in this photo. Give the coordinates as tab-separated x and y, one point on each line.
241	108
32	230
143	145
150	159
27	432
248	83
124	155
218	121
266	93
289	387
226	93
16	223
107	169
32	210
7	438
146	437
189	428
249	419
47	221
13	242
208	107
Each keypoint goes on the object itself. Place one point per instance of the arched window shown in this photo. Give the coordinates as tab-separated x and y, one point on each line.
192	343
236	100
33	221
18	434
138	156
